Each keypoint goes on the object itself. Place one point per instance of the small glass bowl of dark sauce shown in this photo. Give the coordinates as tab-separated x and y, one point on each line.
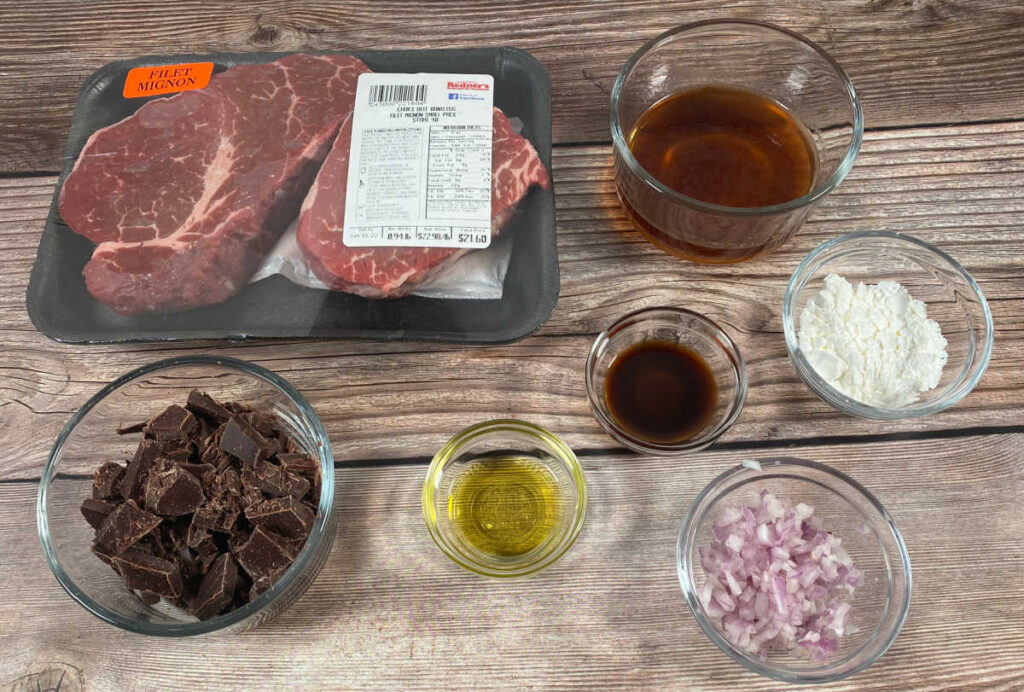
665	381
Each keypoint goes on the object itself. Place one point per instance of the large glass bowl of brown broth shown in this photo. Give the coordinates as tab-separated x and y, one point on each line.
504	498
665	381
726	135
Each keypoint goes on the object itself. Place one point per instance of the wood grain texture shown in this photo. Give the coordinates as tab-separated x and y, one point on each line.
928	61
390	611
959	187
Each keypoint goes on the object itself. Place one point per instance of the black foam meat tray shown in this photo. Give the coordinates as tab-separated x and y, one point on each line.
61	308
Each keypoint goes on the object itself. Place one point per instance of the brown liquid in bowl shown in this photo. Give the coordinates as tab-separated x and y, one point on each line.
661	391
725	146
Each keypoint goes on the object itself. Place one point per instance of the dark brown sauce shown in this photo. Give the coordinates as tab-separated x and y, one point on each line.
660	391
725	146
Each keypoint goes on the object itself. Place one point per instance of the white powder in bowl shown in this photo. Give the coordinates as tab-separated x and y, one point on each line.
874	343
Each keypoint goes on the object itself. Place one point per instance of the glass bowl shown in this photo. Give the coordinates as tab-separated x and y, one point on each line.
89	439
504	439
847	510
773	62
951	296
681	326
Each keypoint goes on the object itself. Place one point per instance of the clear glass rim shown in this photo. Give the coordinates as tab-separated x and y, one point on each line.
823	188
724	341
826	392
447	453
684	545
252	607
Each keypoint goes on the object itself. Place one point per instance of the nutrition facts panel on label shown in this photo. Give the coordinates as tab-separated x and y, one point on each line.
420	166
459	171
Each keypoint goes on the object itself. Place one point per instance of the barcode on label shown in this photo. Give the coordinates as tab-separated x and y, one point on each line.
397	93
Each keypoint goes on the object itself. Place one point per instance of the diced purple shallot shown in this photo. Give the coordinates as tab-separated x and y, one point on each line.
777	580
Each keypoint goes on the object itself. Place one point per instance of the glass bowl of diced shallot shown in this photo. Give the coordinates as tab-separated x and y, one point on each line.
794	570
192	495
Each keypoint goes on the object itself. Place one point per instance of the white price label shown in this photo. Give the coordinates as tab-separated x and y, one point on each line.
419	171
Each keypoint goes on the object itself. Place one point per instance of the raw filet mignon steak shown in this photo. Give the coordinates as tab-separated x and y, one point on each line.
184	197
385	272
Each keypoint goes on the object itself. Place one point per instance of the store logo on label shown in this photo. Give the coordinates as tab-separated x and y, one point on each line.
465	85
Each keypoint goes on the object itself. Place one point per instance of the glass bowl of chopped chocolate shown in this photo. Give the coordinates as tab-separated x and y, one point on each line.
883	325
189	496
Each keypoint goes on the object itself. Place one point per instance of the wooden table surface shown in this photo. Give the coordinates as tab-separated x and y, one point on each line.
943	158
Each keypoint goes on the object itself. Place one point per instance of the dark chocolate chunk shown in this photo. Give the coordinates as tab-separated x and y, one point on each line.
304	466
172	491
198	470
227	515
237	408
149	598
268	426
270	479
102	553
178	451
199	530
206	428
242	441
273	446
106	481
237	539
264	554
300	465
262	584
125	526
206	552
297	544
191	567
298	486
217	588
213	455
251	495
226	463
224	491
95	511
285	516
154	545
175	532
202	404
175	423
145	572
133	482
213	517
265	423
223	485
129	429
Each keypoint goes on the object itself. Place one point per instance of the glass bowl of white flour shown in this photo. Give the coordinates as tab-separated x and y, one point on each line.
883	325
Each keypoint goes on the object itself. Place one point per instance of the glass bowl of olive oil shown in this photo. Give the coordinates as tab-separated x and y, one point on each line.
505	498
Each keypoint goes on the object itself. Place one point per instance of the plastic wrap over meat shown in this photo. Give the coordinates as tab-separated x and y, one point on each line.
196	195
394	271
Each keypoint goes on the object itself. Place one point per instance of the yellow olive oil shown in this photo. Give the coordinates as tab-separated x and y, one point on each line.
505	506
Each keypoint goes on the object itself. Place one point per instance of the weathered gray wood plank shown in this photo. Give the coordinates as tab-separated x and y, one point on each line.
912	62
390	611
